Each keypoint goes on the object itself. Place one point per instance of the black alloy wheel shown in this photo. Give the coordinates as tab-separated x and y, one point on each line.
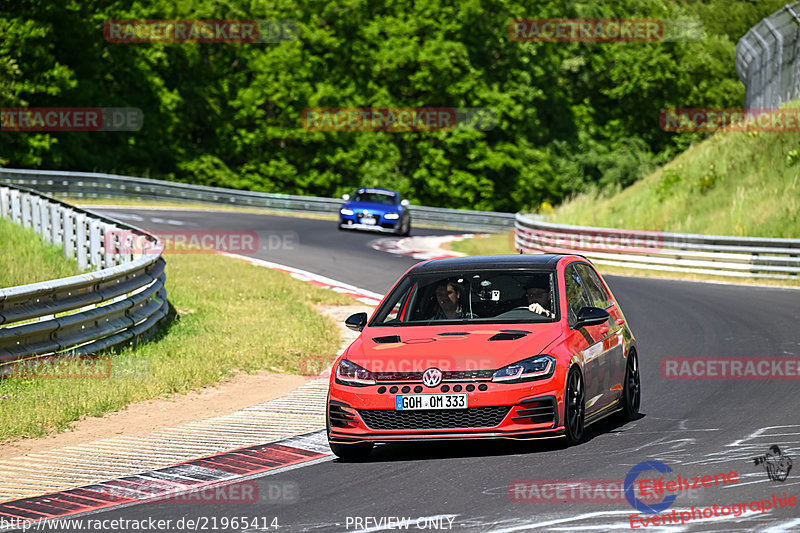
574	407
632	393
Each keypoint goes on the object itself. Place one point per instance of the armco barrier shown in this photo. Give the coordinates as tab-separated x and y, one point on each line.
123	298
750	257
93	185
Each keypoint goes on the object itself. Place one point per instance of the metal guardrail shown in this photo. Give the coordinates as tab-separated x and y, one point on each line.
94	185
766	59
750	257
89	312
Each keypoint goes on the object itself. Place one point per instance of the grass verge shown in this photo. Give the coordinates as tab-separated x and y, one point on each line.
740	184
233	317
26	258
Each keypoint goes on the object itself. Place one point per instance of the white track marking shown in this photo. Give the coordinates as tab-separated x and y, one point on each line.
171	222
128	216
792	525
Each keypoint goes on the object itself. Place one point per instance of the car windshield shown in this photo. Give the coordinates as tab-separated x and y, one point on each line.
374	197
498	296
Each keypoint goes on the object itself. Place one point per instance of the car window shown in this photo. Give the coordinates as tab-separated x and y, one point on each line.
576	294
594	287
375	198
485	296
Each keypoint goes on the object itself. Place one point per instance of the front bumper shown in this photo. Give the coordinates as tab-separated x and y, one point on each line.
518	411
384	227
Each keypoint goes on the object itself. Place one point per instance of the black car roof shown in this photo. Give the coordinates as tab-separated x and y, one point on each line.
537	261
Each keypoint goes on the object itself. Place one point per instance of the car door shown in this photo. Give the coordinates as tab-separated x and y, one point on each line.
587	340
611	370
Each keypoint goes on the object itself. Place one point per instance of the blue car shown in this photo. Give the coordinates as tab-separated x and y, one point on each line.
375	210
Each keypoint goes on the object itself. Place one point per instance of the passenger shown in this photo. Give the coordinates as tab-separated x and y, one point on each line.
538	296
449	296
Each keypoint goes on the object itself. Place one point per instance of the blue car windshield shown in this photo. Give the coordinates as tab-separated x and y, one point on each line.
375	198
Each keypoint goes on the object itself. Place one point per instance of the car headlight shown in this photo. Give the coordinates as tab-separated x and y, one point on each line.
347	212
539	367
349	373
391	216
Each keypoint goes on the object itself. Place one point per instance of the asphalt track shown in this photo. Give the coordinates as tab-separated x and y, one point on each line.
696	427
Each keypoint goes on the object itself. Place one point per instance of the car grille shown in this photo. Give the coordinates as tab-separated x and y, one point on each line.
448	375
473	417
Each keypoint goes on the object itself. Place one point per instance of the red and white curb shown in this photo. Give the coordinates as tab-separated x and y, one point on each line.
196	480
423	248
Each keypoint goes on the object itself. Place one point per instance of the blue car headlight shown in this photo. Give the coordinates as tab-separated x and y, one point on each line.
391	216
346	212
349	373
532	368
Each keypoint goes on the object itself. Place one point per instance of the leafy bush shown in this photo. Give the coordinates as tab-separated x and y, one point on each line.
670	179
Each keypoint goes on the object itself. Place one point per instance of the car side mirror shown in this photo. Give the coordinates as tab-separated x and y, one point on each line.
357	321
345	197
591	316
405	203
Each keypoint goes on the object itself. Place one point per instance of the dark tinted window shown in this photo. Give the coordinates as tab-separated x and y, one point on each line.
593	286
470	296
375	197
576	294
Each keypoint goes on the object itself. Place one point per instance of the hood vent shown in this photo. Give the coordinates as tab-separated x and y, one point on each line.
388	339
509	335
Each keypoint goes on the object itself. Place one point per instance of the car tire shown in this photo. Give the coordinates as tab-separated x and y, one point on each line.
405	228
632	390
574	407
351	452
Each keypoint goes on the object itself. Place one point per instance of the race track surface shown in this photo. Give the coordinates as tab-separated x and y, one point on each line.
696	427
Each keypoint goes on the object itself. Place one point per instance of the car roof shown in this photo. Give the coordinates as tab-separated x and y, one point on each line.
488	262
378	190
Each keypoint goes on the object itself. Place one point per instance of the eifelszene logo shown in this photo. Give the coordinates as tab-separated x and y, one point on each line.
638	504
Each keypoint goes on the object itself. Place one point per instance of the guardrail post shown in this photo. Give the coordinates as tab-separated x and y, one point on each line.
109	241
81	231
25	200
68	233
126	247
94	244
5	202
44	218
36	215
55	225
16	212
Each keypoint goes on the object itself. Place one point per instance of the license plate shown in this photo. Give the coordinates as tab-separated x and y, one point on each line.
415	402
368	221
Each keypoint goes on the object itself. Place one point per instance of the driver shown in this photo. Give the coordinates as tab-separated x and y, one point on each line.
448	296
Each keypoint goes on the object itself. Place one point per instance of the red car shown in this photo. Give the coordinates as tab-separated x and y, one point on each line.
511	346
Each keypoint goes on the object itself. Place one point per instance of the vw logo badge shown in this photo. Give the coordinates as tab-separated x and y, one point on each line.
432	377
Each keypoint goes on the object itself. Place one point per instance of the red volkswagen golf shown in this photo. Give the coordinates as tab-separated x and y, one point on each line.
516	346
